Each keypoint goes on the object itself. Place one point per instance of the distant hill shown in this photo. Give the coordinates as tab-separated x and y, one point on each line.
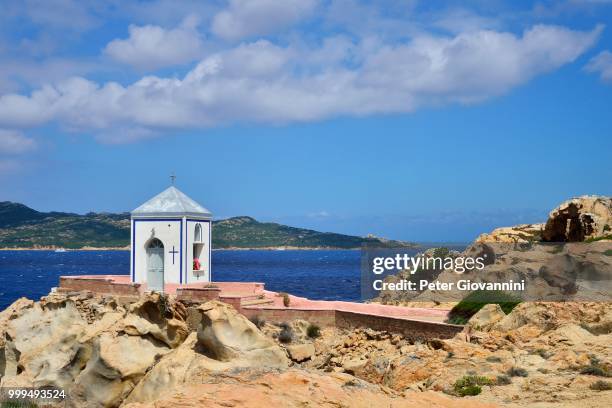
23	227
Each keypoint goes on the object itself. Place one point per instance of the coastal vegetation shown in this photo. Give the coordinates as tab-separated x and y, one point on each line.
258	321
286	334
601	385
517	372
24	227
313	331
286	298
595	367
472	303
470	385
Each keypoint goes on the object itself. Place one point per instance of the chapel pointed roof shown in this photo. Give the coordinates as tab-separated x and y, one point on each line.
171	202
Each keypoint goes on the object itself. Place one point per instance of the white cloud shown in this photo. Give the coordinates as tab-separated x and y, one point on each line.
385	18
14	73
13	142
602	64
462	20
267	83
150	47
247	18
319	214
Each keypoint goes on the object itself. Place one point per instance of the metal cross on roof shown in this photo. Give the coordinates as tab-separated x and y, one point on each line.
172	178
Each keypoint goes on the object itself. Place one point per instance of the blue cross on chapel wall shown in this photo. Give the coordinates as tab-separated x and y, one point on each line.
173	252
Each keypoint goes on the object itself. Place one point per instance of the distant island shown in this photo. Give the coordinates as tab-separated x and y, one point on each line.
22	227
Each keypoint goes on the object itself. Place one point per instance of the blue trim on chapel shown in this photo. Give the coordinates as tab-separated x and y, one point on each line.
181	255
187	221
133	250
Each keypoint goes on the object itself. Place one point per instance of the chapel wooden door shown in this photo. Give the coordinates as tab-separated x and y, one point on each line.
155	266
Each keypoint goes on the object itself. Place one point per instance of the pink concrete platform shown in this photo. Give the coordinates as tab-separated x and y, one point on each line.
242	288
238	293
375	309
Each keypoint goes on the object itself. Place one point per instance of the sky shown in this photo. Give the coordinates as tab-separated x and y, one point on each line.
414	120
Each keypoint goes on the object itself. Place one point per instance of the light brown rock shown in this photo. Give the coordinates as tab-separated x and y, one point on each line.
578	219
42	341
116	365
225	341
522	233
298	388
146	318
227	335
486	317
355	366
300	352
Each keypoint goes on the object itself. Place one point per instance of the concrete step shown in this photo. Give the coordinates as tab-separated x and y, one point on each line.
241	295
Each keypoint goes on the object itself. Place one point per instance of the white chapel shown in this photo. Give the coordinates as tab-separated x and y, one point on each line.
170	242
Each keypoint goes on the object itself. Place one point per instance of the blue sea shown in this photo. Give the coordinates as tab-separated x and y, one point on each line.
322	274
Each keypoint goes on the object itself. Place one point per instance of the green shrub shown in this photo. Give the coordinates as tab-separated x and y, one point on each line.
543	353
165	309
517	372
472	303
595	369
313	331
258	321
468	390
286	335
470	385
286	298
441	252
604	237
601	385
18	404
503	380
493	359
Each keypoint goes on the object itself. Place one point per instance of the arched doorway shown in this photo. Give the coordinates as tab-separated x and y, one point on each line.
155	265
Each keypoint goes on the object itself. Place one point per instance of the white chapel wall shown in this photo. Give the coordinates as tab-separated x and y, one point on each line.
169	232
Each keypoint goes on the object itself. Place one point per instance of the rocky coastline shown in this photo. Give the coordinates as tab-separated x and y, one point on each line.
156	351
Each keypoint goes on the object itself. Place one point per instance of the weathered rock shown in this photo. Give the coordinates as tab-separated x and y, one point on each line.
98	351
226	335
355	366
41	342
297	388
548	315
225	341
578	219
147	318
486	317
180	366
300	352
522	233
116	365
